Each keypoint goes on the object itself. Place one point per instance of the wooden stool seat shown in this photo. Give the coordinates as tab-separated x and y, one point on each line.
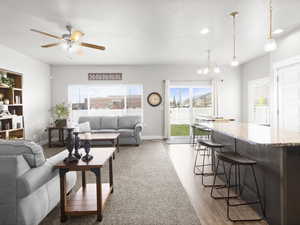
210	144
234	158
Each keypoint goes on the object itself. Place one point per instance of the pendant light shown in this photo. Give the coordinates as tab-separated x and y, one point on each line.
209	68
271	44
234	61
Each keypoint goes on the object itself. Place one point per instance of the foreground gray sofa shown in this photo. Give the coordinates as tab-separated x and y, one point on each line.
129	127
29	184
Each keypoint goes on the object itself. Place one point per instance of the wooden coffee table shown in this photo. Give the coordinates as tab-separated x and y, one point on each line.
112	137
90	198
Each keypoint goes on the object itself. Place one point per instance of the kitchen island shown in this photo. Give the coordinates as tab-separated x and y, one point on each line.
277	153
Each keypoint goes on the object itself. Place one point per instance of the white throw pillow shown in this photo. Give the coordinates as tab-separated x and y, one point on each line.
84	127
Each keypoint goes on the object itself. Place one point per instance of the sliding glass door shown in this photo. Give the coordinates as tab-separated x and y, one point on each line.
186	104
180	111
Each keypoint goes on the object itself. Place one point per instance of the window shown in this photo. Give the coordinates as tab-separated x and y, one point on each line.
202	102
105	100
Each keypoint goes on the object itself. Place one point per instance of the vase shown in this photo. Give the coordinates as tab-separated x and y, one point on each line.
70	146
77	146
60	123
87	149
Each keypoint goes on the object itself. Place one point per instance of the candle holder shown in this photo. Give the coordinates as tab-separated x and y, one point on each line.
77	146
87	149
70	146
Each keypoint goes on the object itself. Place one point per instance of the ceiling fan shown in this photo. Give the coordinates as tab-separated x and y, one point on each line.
70	41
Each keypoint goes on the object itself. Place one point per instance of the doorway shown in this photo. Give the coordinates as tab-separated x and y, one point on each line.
186	103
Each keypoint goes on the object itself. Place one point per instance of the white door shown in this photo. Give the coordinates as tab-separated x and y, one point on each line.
289	97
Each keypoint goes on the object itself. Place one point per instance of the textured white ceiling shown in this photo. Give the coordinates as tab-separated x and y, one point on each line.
144	31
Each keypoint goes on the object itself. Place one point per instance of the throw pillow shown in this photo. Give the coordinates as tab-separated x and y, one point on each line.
84	127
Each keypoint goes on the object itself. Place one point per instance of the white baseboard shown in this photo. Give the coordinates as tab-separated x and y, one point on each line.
152	138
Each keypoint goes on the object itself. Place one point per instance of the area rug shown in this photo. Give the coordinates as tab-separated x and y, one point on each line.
147	191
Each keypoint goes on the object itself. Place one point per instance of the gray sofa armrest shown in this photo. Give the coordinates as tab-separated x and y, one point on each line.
37	177
138	128
137	133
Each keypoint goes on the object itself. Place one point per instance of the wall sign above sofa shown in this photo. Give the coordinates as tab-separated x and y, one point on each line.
105	76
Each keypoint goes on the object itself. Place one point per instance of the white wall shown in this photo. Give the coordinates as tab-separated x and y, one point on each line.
151	77
288	47
36	89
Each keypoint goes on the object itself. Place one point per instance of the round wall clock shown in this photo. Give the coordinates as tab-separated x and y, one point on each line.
154	99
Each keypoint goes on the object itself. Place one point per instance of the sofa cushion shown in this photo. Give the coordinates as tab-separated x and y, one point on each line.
128	122
126	132
105	131
95	121
109	122
32	152
84	127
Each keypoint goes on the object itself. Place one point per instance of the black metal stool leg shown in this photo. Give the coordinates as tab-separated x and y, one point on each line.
220	186
195	163
203	166
247	203
214	182
228	192
213	173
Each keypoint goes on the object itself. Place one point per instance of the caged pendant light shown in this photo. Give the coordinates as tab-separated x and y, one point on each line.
209	68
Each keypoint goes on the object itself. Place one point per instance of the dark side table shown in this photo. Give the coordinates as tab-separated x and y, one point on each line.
90	198
61	135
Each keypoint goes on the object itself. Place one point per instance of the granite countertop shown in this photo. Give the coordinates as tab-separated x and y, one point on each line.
256	134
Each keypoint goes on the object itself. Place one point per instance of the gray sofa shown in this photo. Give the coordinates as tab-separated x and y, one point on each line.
129	127
29	184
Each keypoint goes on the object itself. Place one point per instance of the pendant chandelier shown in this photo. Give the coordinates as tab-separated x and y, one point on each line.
234	61
271	44
210	67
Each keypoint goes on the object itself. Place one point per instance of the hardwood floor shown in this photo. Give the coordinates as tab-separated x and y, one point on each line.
209	211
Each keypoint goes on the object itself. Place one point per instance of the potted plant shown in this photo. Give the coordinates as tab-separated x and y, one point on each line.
6	81
61	112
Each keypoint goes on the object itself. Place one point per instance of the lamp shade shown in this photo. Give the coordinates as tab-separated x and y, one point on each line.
235	62
270	45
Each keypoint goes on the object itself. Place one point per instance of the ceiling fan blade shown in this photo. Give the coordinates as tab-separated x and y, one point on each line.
50	45
76	35
92	46
47	34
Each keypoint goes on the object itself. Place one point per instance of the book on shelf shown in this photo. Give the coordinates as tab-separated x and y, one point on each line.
17	122
17	100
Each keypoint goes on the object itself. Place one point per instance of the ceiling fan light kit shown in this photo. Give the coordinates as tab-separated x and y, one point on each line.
271	44
69	41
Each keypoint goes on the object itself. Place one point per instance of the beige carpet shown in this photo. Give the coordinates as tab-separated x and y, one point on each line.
147	191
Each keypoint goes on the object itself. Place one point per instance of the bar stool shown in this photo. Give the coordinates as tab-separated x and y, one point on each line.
235	159
209	146
205	132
